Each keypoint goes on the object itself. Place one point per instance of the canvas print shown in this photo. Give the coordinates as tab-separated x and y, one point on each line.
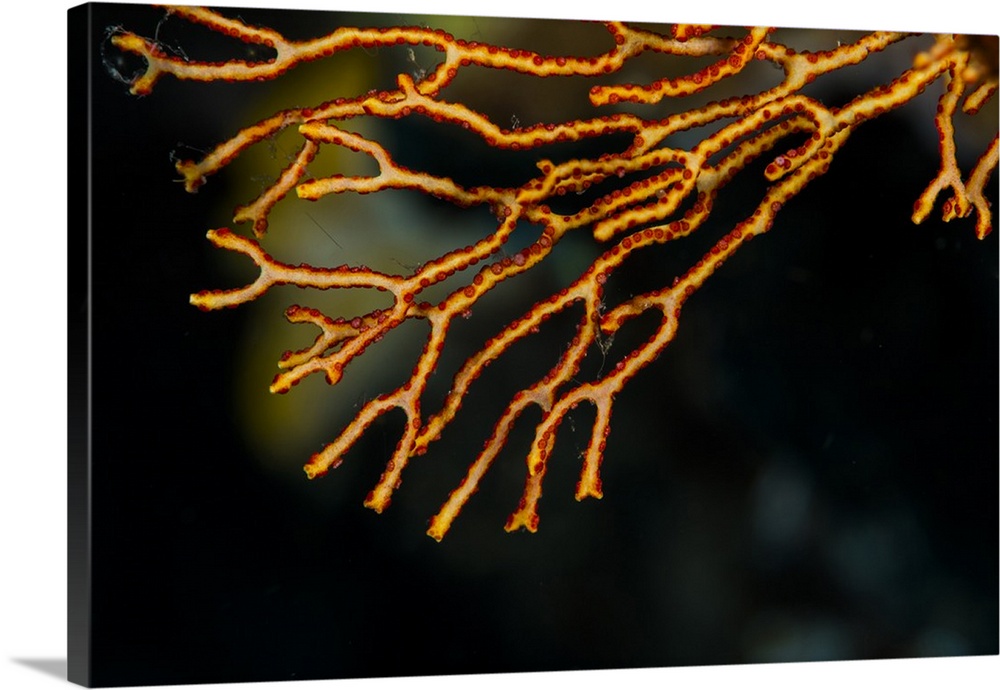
410	345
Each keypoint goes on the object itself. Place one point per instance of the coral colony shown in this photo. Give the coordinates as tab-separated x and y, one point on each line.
648	193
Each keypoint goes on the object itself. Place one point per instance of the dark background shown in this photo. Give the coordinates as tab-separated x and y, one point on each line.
808	472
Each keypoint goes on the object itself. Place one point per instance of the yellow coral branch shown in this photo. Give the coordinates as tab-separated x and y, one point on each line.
652	193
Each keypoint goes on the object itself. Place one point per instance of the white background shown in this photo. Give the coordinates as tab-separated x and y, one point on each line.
33	340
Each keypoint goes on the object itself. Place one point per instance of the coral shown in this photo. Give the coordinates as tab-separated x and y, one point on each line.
647	192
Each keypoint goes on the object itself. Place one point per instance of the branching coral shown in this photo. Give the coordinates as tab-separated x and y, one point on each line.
647	193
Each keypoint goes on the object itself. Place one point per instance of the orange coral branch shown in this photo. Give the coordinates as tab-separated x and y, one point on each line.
670	194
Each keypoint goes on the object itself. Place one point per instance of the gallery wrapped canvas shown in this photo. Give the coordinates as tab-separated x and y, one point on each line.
368	311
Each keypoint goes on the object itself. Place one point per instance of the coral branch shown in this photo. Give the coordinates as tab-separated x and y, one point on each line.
651	193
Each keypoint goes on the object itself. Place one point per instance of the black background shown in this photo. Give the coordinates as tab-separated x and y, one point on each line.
808	472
